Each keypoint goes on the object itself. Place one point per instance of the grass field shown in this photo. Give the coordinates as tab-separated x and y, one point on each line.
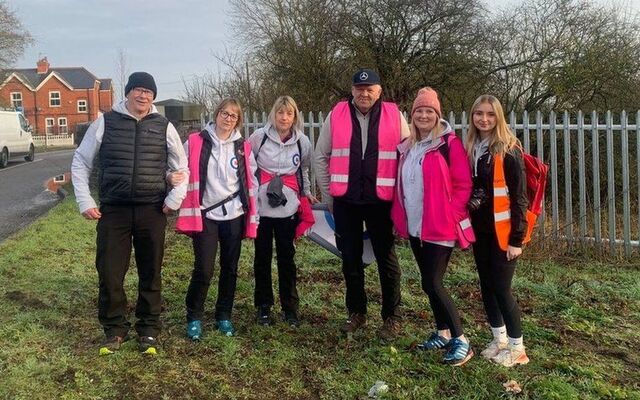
581	323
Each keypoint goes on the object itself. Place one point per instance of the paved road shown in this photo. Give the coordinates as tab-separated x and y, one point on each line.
23	197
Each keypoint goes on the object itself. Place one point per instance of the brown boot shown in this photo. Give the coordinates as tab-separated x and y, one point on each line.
389	329
353	323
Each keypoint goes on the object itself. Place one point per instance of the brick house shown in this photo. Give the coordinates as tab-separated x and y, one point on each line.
55	100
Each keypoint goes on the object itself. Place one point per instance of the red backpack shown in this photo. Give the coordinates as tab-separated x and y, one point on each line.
536	171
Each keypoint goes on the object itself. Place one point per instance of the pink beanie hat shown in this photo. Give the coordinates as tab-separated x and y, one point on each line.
427	97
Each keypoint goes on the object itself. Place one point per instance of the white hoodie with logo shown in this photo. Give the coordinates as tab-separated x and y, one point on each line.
222	176
280	158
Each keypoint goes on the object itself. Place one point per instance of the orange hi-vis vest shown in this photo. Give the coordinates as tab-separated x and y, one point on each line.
502	207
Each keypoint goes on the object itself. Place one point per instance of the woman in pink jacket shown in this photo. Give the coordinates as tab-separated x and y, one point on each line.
430	207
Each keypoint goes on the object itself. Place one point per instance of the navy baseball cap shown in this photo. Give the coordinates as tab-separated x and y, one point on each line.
365	76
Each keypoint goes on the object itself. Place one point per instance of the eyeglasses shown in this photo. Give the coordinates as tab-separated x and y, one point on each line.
138	91
226	115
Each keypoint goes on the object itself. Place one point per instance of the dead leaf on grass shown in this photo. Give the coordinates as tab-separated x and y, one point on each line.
512	386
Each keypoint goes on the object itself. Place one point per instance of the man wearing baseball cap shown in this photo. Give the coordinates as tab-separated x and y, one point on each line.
135	147
356	168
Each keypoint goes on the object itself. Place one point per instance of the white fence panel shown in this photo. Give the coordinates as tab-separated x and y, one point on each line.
53	140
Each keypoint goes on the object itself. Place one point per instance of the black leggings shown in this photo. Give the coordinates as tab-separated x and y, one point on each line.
433	260
284	230
228	235
496	274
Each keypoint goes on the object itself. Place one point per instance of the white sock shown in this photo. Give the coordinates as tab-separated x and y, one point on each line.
463	338
445	333
499	334
516	343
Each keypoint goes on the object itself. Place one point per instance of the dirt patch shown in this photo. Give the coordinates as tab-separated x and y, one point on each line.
25	300
66	377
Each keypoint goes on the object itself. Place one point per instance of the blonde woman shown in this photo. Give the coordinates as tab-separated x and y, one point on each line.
283	156
498	215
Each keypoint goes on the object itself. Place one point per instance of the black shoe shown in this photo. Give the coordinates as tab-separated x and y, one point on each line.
111	344
291	319
148	345
263	316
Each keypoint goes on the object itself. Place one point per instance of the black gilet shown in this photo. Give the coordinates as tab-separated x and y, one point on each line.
133	159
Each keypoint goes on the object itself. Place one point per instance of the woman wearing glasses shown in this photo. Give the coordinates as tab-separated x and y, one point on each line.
220	207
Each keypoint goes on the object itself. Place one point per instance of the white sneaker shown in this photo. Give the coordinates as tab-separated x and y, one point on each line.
510	357
493	349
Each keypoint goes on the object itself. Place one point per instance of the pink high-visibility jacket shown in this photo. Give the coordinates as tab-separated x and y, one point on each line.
388	139
189	219
447	188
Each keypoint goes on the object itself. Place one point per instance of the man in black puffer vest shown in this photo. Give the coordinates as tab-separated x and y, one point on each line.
135	147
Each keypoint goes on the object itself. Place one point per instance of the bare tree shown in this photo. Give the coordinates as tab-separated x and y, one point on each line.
122	72
540	54
14	38
557	54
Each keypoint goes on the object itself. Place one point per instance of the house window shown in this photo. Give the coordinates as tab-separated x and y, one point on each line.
62	126
49	123
82	106
54	99
16	99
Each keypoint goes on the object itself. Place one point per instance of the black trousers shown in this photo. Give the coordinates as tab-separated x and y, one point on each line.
496	275
349	219
205	246
283	229
119	227
433	260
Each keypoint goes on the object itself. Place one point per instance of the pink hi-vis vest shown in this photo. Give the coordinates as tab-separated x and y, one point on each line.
190	216
388	140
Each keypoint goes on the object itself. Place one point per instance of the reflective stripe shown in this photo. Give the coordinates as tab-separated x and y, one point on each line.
253	219
500	191
465	223
193	186
252	192
385	182
340	152
387	155
339	178
189	212
502	216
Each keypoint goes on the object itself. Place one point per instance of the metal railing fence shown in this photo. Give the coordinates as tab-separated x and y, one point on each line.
593	190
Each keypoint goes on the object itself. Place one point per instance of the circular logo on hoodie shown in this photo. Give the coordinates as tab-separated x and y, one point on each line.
296	159
234	163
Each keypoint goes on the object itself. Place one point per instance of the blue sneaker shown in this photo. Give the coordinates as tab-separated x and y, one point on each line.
194	330
435	342
459	352
225	327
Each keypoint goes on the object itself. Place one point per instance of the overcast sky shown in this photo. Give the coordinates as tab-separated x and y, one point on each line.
171	39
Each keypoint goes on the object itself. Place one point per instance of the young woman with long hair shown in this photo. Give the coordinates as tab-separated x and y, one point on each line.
498	215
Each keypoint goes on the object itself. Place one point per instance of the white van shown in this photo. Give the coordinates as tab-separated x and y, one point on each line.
15	137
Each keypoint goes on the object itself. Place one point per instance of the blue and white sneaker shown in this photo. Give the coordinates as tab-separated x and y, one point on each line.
435	342
225	327
194	330
459	352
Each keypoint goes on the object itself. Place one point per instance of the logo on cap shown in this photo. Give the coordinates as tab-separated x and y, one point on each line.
364	76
